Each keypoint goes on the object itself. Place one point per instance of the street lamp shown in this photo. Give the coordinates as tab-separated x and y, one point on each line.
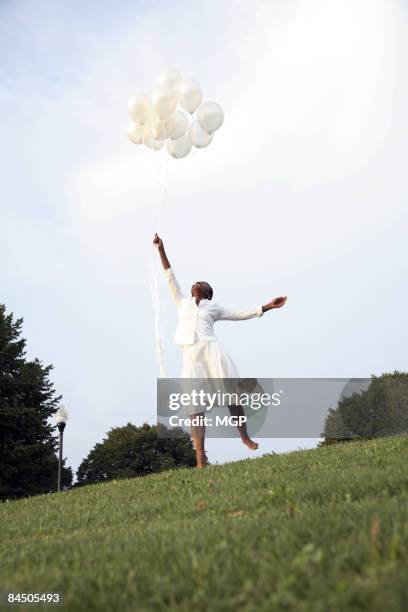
61	418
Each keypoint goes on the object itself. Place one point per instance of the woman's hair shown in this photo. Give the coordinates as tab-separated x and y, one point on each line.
207	286
210	289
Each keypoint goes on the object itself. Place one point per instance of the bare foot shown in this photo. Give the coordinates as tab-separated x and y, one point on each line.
250	443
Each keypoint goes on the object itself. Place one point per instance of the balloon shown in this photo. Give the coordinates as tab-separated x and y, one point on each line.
198	136
176	125
158	131
179	148
169	77
190	95
164	101
153	144
210	116
157	119
135	132
138	108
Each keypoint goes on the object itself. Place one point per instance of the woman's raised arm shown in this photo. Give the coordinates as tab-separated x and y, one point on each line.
175	291
160	247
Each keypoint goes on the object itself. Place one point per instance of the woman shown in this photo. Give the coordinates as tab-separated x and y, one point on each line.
203	355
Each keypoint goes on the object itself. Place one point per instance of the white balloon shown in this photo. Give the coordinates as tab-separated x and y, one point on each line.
164	101
179	148
169	77
198	136
135	132
138	108
176	125
190	95
158	131
153	144
210	116
154	131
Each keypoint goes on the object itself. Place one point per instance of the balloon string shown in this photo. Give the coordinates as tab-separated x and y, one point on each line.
154	290
154	265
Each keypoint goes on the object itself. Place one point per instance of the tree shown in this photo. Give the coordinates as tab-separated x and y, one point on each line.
380	410
28	461
135	451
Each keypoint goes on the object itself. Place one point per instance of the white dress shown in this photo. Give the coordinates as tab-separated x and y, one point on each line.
203	354
207	359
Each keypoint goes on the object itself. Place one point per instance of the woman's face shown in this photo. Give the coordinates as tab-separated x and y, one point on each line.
201	291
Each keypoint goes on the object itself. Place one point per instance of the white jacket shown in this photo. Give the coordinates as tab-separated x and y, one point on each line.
197	322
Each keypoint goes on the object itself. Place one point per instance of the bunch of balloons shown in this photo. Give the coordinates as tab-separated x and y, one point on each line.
166	116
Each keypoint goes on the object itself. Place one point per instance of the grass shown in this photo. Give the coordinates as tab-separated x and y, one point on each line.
320	530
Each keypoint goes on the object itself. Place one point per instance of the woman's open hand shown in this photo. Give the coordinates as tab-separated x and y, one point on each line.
278	302
275	303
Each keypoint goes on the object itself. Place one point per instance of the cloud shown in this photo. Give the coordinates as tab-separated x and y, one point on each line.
312	101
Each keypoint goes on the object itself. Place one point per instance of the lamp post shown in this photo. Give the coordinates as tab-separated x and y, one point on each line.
61	418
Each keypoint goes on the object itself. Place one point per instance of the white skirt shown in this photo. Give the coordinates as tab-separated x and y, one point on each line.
207	359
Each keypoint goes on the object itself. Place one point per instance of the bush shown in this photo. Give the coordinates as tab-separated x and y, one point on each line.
135	451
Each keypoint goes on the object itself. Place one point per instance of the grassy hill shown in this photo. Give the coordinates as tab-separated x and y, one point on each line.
319	530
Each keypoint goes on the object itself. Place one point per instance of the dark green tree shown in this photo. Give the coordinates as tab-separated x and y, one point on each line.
380	410
135	451
28	460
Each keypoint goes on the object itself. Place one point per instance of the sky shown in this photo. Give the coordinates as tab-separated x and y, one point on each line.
301	193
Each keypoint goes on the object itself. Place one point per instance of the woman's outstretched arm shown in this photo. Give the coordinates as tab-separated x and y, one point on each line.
225	314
